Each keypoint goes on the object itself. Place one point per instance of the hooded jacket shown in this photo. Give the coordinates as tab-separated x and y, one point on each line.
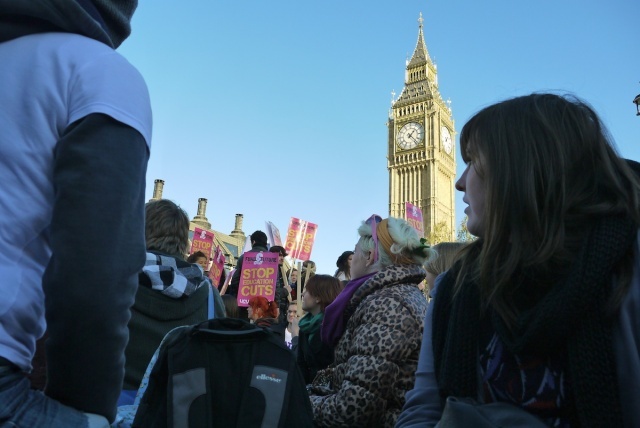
171	293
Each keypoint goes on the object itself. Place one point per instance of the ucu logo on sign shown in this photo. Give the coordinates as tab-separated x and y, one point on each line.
271	378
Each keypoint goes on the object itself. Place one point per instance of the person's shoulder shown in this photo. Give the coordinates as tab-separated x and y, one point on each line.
98	80
61	40
388	305
279	327
73	48
72	56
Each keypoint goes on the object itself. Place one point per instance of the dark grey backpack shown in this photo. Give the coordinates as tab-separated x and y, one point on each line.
224	373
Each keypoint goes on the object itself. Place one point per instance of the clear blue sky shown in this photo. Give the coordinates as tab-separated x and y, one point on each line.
278	109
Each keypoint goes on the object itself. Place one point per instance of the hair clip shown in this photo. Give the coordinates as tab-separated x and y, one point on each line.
420	248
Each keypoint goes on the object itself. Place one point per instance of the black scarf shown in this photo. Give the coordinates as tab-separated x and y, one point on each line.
571	316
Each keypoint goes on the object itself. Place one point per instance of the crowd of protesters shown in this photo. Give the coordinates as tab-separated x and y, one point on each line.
540	314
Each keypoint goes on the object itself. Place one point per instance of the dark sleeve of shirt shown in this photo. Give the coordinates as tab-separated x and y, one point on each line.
98	247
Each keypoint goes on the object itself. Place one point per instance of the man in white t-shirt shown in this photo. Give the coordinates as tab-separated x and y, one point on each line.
75	131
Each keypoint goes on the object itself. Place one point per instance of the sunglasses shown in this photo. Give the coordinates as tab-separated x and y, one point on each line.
373	222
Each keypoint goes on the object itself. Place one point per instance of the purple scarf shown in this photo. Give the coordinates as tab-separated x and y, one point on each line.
335	319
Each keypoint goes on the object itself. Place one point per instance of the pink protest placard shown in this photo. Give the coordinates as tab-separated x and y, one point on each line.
414	218
247	245
300	238
308	238
202	241
274	234
294	237
217	266
258	276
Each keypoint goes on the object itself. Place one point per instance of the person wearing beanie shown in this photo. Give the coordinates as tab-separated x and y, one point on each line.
76	132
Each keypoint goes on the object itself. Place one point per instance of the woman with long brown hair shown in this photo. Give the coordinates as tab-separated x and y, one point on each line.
542	311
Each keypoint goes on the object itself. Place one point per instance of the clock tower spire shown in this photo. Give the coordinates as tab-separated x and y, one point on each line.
421	152
420	53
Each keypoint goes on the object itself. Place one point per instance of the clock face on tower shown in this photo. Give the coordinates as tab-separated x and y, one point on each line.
445	137
410	135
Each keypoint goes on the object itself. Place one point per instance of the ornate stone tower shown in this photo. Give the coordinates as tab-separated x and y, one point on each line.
201	217
421	152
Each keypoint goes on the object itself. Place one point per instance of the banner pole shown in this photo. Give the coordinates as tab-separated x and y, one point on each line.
285	280
307	275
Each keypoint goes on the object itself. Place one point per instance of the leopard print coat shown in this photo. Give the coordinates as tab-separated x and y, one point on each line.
377	357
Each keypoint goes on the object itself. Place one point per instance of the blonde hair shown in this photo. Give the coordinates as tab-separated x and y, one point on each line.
406	242
446	256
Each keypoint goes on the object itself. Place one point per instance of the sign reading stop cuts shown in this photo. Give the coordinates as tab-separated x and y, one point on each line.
258	277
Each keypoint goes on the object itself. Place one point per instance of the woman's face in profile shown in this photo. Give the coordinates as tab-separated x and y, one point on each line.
358	265
473	186
203	262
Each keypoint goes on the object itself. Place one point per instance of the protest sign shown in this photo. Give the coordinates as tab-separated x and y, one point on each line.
227	281
202	241
258	276
273	234
300	238
308	238
247	245
217	267
414	218
294	236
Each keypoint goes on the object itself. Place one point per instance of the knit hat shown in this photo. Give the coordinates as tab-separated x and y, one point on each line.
108	21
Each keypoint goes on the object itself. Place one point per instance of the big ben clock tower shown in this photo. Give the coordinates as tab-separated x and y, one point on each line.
421	153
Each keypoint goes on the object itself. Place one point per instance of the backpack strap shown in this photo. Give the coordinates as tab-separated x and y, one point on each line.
211	310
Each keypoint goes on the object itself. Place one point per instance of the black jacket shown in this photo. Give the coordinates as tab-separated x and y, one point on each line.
313	355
